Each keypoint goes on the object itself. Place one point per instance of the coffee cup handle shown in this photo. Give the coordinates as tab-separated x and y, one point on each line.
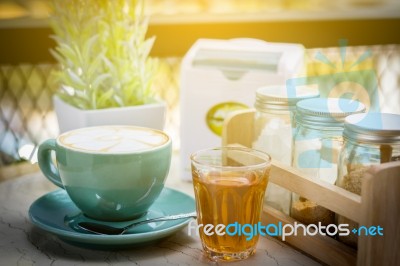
46	164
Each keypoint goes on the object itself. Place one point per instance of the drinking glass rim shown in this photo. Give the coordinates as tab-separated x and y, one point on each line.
266	163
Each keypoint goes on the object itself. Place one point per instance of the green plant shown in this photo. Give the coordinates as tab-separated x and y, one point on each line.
103	53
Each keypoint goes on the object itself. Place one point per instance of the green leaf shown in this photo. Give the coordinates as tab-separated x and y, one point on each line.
66	51
75	78
79	58
57	56
147	45
100	79
94	67
88	47
105	97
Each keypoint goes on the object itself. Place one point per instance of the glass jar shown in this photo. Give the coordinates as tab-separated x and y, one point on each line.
316	146
369	139
273	133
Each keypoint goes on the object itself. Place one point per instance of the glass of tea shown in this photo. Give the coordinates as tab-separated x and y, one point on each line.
229	185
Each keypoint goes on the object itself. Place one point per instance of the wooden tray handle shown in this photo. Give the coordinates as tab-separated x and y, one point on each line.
380	195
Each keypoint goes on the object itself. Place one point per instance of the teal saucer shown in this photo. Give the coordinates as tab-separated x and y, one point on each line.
57	214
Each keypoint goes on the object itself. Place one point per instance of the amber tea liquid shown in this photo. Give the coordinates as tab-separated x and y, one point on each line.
226	198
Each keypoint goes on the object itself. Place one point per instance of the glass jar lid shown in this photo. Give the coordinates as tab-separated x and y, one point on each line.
373	128
279	98
327	111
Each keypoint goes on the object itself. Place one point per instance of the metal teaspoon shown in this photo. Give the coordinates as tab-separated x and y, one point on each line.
102	229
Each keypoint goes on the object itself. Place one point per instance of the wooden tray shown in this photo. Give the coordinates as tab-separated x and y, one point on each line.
379	204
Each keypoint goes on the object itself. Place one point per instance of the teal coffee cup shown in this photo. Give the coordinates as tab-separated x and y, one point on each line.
111	173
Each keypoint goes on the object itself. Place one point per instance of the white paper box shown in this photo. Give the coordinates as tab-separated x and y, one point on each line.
217	75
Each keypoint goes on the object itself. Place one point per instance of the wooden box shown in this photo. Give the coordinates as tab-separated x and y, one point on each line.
379	204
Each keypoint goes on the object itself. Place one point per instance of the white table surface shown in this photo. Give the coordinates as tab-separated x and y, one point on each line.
21	243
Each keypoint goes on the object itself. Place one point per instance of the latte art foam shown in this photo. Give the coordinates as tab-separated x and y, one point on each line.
113	139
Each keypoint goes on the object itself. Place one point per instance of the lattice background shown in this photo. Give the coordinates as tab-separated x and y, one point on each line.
27	117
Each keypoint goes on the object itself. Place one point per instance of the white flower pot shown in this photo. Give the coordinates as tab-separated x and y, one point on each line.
148	115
